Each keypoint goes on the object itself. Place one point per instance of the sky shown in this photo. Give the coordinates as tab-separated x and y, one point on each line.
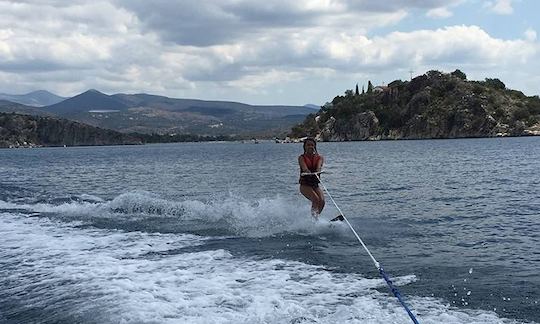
271	52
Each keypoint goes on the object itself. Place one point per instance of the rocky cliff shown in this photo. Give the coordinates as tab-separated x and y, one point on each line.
433	105
31	131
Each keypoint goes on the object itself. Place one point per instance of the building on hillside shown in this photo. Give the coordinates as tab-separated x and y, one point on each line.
390	91
380	88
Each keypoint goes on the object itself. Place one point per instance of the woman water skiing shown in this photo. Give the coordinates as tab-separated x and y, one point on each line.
311	162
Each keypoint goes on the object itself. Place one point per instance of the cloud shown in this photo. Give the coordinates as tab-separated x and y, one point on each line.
253	66
442	12
457	44
389	6
214	22
353	51
240	47
530	34
70	37
501	7
88	45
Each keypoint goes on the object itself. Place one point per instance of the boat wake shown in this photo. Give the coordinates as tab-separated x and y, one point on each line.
145	211
52	272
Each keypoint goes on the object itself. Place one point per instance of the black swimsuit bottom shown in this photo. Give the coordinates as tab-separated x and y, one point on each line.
310	180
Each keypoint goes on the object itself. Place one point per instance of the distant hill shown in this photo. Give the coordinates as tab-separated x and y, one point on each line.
433	105
145	113
84	102
29	131
17	130
8	106
38	98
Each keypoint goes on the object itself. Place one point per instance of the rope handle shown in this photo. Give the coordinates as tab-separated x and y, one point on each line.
313	173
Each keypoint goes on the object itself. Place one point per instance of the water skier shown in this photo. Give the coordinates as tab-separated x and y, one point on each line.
311	162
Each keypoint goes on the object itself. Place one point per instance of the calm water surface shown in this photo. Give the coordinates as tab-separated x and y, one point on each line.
218	233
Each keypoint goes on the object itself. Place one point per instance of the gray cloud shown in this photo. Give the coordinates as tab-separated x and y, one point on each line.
205	23
389	6
32	66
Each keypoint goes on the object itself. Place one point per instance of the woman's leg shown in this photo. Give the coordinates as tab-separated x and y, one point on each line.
320	198
310	193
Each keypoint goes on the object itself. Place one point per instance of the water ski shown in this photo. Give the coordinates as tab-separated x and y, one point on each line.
338	218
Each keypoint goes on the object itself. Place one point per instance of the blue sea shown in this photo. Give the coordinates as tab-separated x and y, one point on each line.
218	233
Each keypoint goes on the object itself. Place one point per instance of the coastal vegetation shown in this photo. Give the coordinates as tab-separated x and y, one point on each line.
432	105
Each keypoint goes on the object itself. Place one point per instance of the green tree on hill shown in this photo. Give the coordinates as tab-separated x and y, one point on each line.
459	74
495	83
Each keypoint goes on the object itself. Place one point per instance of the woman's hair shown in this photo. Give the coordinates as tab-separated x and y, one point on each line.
310	139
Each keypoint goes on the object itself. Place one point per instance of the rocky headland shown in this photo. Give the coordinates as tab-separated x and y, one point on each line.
22	130
17	130
430	106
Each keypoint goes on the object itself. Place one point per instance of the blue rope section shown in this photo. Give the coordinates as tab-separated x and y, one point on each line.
396	293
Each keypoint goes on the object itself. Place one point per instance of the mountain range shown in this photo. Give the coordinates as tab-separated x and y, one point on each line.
38	98
146	113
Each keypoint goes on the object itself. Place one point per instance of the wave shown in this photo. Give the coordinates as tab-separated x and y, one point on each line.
231	215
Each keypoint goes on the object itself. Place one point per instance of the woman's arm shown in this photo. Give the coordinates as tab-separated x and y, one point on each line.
302	164
320	164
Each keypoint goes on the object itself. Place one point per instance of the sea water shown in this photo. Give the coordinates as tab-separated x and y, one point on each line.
218	233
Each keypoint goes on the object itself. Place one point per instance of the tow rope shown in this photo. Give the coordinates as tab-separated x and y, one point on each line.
379	267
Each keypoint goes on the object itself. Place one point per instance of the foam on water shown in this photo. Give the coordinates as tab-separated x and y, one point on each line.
231	215
52	271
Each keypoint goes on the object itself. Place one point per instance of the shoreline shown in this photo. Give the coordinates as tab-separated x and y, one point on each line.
34	146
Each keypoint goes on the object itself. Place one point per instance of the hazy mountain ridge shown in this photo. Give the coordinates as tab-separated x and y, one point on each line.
148	113
9	106
84	102
38	98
